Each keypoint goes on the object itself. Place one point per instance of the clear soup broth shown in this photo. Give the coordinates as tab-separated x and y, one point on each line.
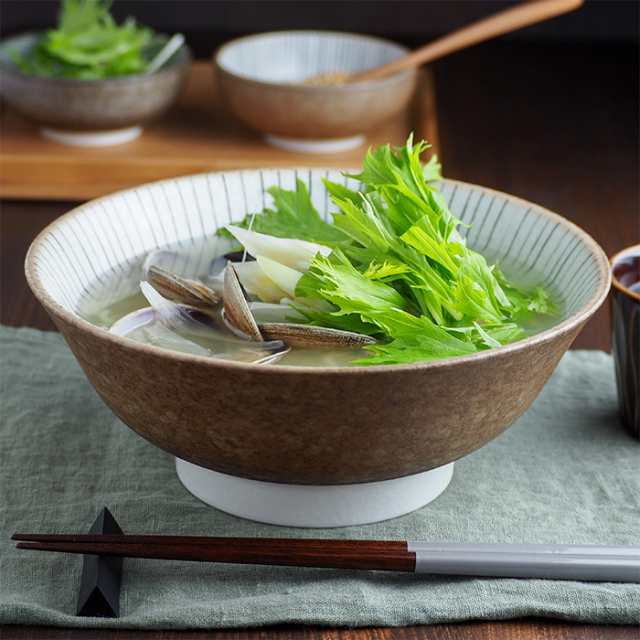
119	295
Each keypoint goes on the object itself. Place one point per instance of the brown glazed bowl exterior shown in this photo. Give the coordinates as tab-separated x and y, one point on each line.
90	105
312	112
312	425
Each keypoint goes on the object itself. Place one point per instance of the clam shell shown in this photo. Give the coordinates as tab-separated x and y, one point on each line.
182	290
266	352
236	308
306	335
275	356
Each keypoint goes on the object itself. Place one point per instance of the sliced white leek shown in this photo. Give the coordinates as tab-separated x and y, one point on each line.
296	254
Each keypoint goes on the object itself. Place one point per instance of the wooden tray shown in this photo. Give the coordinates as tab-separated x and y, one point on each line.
196	135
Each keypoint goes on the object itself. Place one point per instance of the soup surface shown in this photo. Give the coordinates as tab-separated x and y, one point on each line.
119	296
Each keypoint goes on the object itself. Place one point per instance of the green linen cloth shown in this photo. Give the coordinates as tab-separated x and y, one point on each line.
566	472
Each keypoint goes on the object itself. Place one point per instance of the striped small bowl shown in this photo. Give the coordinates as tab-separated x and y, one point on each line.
261	80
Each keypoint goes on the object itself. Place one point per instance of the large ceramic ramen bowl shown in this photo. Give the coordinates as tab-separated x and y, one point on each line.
262	81
309	446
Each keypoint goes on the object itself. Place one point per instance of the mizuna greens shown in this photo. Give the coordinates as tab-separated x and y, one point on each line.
88	44
393	264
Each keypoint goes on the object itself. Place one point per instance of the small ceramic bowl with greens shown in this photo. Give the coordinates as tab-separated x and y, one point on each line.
91	81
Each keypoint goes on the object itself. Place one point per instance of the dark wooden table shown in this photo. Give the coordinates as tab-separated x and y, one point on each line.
556	125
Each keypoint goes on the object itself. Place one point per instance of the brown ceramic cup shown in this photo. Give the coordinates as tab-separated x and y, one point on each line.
625	320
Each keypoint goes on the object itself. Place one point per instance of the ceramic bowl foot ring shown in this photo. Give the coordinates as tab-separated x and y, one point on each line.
328	145
297	505
92	138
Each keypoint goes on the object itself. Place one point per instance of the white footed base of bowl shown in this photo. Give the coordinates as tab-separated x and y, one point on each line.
298	505
92	138
328	145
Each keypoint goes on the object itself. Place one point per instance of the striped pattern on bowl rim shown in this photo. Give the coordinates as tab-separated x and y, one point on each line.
77	254
294	56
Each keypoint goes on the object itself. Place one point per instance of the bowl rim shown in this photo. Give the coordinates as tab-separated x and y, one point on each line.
55	309
176	61
633	250
367	85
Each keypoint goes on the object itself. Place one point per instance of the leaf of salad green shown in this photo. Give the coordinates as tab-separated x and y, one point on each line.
400	270
414	339
88	44
337	281
292	215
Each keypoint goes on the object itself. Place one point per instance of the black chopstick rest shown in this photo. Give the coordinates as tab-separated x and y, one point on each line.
101	575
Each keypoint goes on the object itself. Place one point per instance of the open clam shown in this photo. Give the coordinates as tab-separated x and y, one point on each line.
200	261
307	335
183	290
236	308
186	315
239	316
187	329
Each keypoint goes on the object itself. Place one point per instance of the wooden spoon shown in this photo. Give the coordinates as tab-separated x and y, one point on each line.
506	21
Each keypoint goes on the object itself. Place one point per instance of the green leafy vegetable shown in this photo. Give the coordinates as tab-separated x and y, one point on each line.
399	270
415	338
88	44
292	216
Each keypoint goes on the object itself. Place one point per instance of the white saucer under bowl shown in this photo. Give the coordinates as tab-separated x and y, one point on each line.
299	505
92	138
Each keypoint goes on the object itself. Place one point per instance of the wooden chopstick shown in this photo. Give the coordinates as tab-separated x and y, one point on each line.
370	546
330	558
606	563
